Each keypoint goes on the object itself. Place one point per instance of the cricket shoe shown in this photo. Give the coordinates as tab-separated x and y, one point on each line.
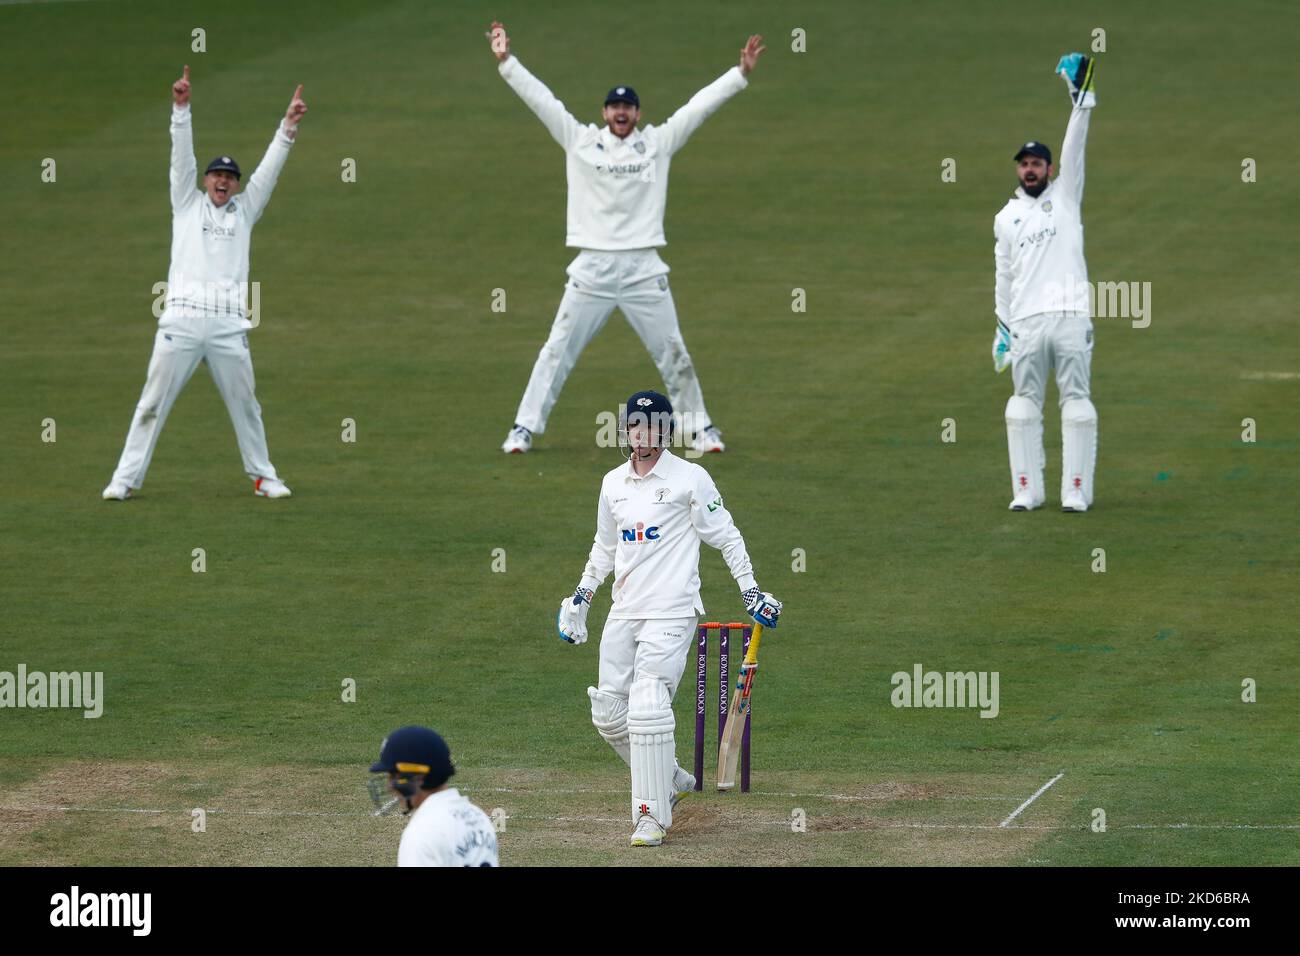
1074	501
683	786
708	440
518	441
116	491
1024	501
648	832
271	488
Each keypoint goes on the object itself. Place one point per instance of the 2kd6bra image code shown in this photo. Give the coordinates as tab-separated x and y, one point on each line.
1198	898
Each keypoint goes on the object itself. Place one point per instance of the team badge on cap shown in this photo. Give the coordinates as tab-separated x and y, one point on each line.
623	94
1034	148
224	163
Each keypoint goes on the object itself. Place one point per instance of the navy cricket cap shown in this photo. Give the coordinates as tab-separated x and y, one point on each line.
415	750
649	408
223	162
1034	148
623	94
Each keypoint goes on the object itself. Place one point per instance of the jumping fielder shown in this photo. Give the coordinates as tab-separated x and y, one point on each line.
445	829
652	515
204	317
618	186
1043	307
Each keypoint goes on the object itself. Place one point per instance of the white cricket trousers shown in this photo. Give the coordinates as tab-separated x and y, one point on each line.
1052	340
636	283
178	347
633	649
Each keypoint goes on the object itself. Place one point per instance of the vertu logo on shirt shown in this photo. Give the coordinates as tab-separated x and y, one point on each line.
641	533
622	169
1036	237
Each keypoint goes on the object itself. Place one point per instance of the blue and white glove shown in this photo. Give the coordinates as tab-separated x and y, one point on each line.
762	607
1076	69
1001	347
572	619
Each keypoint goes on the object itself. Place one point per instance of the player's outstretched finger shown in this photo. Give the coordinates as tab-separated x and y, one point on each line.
297	94
185	73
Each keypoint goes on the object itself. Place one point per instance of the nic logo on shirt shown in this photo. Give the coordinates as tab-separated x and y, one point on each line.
641	533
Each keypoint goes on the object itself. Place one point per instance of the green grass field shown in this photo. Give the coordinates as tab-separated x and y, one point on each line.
223	689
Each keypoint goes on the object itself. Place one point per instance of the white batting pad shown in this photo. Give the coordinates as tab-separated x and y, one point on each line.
650	731
1025	447
1078	447
609	714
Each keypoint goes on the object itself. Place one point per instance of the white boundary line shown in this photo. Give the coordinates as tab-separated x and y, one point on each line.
1038	793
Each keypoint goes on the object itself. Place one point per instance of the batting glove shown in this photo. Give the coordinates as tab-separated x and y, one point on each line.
572	619
1001	347
762	607
1076	70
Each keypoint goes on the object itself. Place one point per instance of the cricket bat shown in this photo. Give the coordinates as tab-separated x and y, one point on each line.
738	714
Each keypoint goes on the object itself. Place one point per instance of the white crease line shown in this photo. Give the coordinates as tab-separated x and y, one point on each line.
49	808
904	825
812	826
1041	790
1209	826
781	822
845	797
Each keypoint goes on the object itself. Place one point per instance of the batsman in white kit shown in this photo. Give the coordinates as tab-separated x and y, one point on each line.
618	188
1044	307
653	512
204	317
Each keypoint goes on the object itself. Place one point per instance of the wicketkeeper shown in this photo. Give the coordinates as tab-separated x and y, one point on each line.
652	514
1044	309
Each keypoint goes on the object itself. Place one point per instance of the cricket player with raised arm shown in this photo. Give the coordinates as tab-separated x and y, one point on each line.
1044	307
204	318
444	829
618	187
652	514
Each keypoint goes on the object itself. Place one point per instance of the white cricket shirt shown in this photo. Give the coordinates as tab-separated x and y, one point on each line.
1038	247
618	188
648	532
209	266
447	830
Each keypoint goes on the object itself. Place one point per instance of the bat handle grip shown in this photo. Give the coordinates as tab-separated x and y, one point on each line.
751	656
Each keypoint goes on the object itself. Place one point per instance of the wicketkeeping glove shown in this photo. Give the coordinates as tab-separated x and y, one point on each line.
762	607
572	619
1076	69
1001	347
